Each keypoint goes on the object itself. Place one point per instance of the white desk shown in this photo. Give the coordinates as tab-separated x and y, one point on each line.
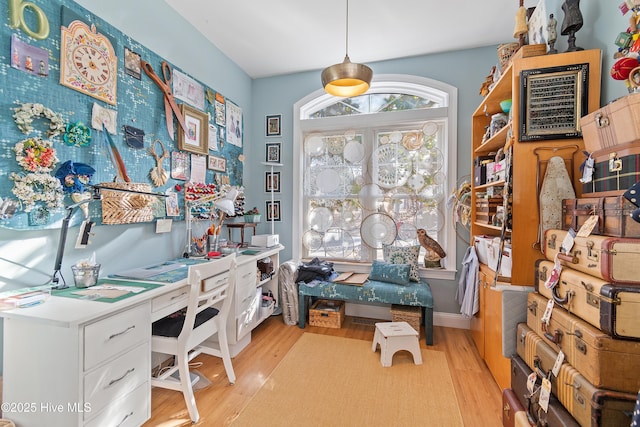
72	362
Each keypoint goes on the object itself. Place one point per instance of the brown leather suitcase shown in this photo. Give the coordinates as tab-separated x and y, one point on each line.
556	415
615	170
612	308
614	215
589	405
604	361
614	259
513	413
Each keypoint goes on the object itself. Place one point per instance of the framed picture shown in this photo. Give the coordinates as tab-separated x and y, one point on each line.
273	125
552	100
272	152
195	140
272	182
273	210
234	124
132	63
217	163
180	165
537	23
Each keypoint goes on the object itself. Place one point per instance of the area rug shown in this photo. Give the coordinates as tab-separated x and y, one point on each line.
333	381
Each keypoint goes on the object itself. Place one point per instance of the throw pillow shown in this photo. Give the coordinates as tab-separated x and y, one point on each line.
404	255
392	273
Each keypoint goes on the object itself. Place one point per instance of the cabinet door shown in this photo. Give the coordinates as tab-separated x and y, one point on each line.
499	365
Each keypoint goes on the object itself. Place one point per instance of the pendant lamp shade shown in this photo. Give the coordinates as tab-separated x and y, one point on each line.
346	79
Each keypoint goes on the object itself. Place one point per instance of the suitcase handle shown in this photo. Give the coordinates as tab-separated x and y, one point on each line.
570	258
555	338
556	297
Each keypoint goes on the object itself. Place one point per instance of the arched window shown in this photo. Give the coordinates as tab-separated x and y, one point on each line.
374	169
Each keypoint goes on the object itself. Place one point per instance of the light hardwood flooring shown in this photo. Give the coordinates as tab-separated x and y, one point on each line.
477	392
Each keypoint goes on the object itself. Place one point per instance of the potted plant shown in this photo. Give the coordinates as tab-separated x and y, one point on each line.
252	216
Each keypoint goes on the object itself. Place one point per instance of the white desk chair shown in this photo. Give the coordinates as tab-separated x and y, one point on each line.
182	333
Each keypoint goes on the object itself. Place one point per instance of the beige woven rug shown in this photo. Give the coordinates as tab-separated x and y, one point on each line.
332	381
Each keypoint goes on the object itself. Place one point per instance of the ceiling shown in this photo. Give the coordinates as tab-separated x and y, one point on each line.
275	37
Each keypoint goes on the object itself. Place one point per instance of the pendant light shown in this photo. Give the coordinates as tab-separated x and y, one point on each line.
346	79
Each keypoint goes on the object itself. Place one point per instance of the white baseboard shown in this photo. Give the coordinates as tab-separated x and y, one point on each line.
448	320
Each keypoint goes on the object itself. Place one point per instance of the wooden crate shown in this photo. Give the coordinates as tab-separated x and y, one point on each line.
405	313
327	313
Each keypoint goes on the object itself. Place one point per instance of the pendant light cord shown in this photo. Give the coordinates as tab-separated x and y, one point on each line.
346	47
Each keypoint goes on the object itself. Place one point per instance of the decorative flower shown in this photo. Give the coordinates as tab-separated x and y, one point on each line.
74	176
36	155
25	114
253	211
77	135
32	188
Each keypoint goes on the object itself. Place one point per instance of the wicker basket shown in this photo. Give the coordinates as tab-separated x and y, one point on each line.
327	313
405	313
125	208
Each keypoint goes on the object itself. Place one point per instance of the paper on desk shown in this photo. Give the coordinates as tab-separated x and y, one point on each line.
146	272
109	290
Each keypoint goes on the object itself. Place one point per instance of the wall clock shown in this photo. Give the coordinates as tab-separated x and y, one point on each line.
88	62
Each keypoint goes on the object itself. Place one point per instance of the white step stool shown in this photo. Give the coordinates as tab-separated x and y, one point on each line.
395	336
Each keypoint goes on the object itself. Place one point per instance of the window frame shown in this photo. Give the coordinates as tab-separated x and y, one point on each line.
389	83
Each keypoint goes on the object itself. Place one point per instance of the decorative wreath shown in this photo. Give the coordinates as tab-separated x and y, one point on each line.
36	155
77	134
33	188
25	114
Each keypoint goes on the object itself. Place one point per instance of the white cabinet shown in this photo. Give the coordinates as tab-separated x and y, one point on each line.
78	374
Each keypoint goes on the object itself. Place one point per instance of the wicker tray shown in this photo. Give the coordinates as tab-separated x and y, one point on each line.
405	313
327	313
125	208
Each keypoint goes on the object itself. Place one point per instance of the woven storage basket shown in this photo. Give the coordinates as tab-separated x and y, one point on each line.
404	313
125	208
327	313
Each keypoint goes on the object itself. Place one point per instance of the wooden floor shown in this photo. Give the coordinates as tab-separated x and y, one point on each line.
478	394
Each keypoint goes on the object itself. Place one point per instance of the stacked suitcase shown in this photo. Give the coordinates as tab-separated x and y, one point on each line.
594	322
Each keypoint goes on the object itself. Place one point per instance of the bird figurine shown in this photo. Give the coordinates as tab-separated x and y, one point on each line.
434	251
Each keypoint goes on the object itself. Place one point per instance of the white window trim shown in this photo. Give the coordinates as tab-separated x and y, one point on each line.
385	83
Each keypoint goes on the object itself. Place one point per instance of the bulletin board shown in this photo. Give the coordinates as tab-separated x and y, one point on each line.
30	73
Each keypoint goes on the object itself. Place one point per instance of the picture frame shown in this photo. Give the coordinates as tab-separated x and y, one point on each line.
567	87
217	163
272	182
272	152
273	125
273	210
197	122
180	165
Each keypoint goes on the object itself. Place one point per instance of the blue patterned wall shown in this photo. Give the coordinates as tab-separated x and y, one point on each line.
140	103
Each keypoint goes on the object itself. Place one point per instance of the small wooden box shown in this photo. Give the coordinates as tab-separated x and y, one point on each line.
327	313
406	313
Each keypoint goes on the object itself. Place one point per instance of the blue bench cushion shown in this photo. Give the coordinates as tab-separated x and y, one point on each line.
413	294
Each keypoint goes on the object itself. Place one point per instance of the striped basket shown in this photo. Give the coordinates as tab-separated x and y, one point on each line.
125	208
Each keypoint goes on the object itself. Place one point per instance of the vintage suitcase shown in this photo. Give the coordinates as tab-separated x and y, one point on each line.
615	170
614	124
612	308
513	413
614	215
614	259
604	361
556	415
589	405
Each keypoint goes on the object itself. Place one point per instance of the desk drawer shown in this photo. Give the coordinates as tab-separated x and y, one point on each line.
215	281
108	337
117	378
166	304
131	410
245	281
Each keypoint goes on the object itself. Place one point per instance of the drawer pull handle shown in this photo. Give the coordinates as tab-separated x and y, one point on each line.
130	328
124	419
178	296
112	382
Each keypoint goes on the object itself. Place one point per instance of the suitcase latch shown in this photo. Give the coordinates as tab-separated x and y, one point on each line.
601	121
551	243
615	164
542	274
533	307
591	253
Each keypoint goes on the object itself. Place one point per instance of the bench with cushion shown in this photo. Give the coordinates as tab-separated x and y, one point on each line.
412	294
